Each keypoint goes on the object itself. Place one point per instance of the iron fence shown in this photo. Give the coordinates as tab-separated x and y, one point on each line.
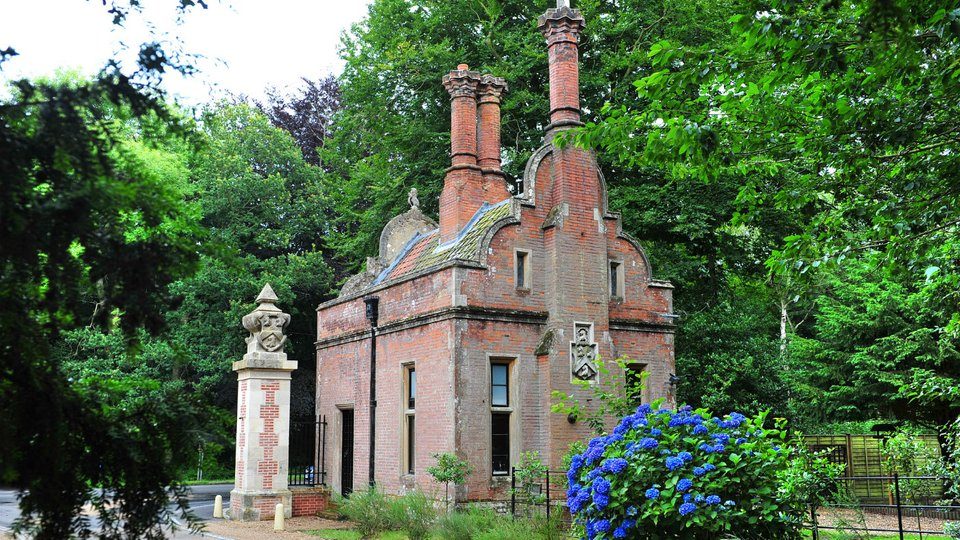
546	495
308	438
913	505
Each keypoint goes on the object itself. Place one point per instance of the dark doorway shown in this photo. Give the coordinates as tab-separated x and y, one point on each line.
346	452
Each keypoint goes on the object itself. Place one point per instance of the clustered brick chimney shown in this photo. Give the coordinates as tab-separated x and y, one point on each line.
474	176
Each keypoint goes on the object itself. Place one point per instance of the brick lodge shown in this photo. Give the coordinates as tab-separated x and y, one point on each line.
472	323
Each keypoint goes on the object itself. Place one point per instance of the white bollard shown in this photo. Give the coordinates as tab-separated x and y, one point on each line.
278	518
218	507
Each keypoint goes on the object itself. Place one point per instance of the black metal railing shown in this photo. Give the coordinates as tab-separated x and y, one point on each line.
546	495
908	505
308	441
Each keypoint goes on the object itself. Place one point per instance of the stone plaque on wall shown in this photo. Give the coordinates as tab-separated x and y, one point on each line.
583	352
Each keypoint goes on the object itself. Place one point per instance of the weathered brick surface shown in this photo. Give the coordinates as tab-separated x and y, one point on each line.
451	321
310	501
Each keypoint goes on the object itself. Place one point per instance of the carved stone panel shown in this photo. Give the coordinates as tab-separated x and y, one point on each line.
266	324
583	352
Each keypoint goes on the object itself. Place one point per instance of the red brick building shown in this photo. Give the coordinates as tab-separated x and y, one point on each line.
483	315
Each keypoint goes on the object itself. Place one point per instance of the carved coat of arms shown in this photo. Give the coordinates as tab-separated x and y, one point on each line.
266	324
583	354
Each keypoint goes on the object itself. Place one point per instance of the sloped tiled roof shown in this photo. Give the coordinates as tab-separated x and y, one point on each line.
424	250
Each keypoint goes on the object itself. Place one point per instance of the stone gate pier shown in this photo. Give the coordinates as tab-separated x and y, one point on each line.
263	415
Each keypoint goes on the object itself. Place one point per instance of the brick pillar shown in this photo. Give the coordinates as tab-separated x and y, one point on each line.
562	26
575	240
462	192
488	134
263	415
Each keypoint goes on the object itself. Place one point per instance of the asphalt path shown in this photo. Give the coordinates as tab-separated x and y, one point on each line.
201	500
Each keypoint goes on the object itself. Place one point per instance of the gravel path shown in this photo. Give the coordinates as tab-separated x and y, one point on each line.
264	529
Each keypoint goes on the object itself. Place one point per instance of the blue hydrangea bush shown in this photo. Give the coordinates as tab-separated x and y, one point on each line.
685	474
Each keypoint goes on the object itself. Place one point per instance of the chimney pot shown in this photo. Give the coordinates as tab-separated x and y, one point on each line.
462	192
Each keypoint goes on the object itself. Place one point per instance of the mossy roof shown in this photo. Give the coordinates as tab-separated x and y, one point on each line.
424	251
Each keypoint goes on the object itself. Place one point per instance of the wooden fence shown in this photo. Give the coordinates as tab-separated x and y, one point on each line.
861	454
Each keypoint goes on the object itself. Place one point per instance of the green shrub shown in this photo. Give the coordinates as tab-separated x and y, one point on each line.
952	529
505	528
368	510
413	514
688	475
465	525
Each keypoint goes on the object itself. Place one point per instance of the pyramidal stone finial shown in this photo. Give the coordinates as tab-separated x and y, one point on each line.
266	295
563	3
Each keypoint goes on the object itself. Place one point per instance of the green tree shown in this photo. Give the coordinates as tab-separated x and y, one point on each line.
95	228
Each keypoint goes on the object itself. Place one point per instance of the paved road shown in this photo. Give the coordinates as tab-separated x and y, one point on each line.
201	502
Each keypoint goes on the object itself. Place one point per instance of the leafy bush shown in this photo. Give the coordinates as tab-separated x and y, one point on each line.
412	513
367	510
506	528
685	475
952	529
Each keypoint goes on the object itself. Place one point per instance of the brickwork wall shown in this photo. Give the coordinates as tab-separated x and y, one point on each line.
310	501
417	296
429	348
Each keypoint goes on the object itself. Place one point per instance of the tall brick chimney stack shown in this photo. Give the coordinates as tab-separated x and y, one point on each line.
462	192
488	133
562	26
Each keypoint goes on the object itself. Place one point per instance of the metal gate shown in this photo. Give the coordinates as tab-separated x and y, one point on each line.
308	437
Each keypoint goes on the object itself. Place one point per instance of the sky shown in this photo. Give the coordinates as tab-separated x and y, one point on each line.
247	45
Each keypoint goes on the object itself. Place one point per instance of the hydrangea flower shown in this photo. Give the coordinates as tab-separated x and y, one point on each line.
648	443
687	508
721	438
713	499
699	471
601	525
601	485
729	503
673	463
687	457
632	510
700	429
601	500
651	494
615	465
684	485
709	467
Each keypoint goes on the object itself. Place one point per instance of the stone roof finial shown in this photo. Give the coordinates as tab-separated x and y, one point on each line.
563	3
266	295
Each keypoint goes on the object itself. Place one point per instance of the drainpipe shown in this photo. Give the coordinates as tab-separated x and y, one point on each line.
373	315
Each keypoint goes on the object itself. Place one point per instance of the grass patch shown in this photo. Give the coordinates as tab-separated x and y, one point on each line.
206	482
350	534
